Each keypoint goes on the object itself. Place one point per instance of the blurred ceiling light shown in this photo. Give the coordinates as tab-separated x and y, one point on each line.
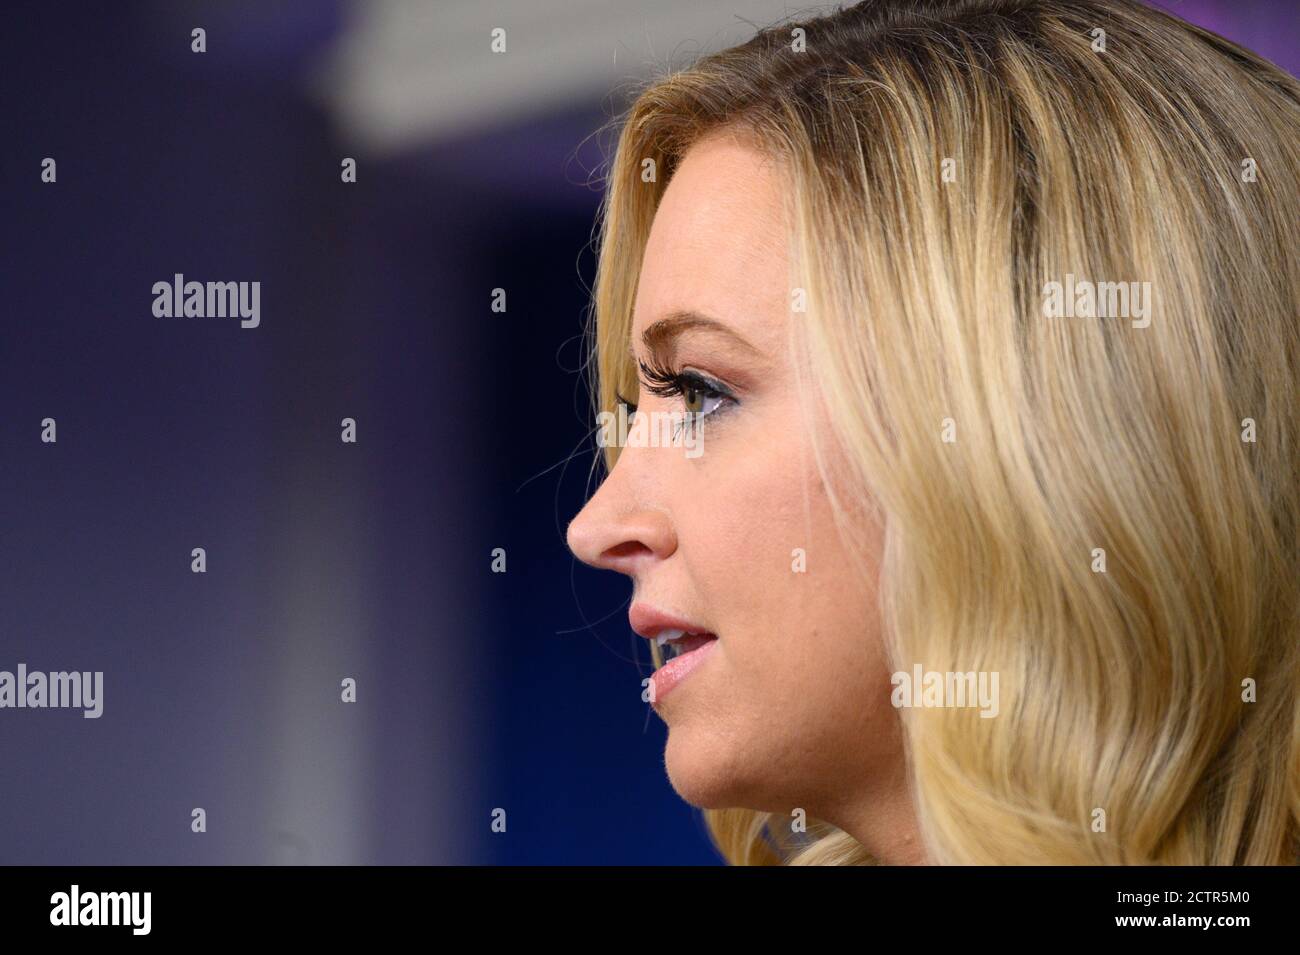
411	72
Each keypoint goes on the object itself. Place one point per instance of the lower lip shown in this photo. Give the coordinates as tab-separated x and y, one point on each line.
678	668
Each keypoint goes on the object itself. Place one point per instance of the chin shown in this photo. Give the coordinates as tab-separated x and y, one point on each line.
704	772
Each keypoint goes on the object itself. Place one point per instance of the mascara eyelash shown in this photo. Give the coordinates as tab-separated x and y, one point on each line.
665	382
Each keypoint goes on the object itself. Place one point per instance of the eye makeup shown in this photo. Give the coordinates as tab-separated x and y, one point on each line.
703	395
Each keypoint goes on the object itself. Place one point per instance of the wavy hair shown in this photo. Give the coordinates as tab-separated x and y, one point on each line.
946	162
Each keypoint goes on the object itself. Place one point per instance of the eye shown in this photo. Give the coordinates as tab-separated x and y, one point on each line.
699	398
700	395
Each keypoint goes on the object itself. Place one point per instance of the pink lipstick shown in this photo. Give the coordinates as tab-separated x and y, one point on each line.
686	644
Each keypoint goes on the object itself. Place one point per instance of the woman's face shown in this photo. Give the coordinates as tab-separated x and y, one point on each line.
789	706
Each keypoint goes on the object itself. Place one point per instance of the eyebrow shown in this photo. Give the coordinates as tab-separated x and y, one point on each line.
660	334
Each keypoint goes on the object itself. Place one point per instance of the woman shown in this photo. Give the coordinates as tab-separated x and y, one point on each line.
986	315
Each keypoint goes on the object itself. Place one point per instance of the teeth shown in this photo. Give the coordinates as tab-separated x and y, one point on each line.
666	635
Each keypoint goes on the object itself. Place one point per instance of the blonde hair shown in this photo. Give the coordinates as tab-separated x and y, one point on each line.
1123	691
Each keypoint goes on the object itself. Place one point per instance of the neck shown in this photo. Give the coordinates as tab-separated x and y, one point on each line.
883	820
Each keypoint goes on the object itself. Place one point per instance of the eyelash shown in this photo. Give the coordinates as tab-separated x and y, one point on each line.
667	382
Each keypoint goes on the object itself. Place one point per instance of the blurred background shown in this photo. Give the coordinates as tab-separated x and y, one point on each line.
325	560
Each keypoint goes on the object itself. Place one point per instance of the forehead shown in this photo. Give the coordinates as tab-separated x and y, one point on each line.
718	242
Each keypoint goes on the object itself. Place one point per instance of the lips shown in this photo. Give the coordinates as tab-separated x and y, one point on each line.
650	622
686	644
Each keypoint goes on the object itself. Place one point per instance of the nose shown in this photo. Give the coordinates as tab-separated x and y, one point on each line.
617	531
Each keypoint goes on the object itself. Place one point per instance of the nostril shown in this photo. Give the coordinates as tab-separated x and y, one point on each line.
626	549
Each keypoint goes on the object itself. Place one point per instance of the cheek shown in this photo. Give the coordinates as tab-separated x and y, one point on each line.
803	677
765	556
750	508
796	706
738	513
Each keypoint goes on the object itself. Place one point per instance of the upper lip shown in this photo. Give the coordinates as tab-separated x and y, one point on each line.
649	622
